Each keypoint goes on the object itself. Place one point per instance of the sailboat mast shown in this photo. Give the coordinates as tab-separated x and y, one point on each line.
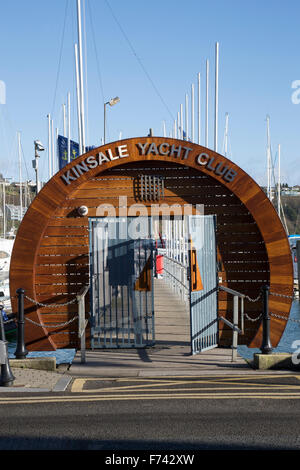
279	188
181	121
193	112
82	120
64	118
52	150
49	146
206	104
226	135
186	116
268	159
4	213
69	128
199	111
216	95
78	98
20	174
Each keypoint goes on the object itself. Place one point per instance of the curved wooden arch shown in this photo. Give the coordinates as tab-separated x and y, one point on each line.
61	186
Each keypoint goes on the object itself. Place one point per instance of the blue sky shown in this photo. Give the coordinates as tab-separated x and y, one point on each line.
150	57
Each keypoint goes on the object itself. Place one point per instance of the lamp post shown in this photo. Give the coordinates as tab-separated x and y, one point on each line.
111	102
38	147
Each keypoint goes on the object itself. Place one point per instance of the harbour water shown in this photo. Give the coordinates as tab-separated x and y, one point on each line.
291	334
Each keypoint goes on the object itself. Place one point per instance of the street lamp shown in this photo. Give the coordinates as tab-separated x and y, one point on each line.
111	102
38	147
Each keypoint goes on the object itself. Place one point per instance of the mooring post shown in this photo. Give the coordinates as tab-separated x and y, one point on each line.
266	347
21	351
7	378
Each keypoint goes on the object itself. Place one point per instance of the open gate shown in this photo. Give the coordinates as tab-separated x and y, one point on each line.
121	269
191	272
203	283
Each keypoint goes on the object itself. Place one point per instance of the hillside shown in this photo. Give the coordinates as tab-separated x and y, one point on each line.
291	207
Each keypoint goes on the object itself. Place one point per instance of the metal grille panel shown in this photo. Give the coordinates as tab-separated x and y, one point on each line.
203	302
121	285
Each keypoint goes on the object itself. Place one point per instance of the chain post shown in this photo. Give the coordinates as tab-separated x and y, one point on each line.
21	351
266	347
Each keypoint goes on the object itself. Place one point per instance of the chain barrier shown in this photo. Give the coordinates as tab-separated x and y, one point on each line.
281	295
281	317
50	305
253	300
52	326
253	319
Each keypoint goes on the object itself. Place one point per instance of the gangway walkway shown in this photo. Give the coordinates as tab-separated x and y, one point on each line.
171	354
172	325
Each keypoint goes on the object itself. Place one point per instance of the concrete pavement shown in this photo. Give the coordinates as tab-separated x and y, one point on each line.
42	375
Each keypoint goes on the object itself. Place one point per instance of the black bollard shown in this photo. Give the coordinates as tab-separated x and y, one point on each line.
7	378
21	351
266	347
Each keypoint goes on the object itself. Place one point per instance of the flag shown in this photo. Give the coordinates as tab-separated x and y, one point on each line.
62	145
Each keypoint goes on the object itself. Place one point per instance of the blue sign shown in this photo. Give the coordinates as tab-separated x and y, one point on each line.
62	145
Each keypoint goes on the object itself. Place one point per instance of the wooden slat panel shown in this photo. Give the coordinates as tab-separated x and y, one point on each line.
223	218
62	259
236	237
169	191
237	228
69	222
235	208
65	241
53	290
64	250
112	198
247	266
244	276
66	231
227	305
244	256
61	279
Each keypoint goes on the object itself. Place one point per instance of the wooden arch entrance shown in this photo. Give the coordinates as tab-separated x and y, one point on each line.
50	255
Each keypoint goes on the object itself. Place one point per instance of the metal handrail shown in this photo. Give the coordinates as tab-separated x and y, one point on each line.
235	325
178	277
231	291
82	322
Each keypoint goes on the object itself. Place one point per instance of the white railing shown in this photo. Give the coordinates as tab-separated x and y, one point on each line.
176	275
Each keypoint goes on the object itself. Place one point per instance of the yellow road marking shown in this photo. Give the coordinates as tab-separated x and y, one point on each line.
199	396
145	389
78	384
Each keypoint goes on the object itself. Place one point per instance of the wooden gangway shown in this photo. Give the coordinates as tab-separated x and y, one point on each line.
172	325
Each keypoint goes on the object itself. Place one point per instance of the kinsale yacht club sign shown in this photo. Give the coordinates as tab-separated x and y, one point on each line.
209	160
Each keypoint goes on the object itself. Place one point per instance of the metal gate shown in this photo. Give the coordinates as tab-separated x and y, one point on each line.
121	268
203	283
